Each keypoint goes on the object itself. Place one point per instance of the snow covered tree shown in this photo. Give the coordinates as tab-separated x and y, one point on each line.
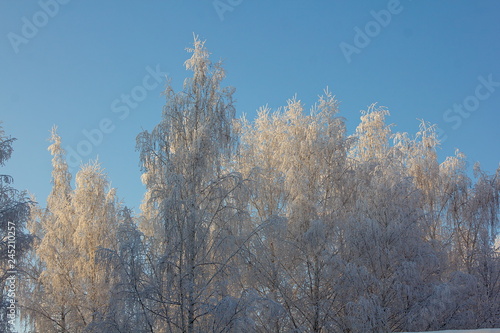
472	217
372	135
14	241
282	224
70	285
128	311
297	164
96	222
52	296
191	208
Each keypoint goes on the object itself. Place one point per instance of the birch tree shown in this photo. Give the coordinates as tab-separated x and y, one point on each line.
70	285
296	163
52	296
191	208
96	220
128	312
281	224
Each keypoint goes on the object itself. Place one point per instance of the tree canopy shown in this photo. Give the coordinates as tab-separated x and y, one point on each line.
286	223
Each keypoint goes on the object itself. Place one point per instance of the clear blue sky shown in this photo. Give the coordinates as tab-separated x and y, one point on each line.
70	65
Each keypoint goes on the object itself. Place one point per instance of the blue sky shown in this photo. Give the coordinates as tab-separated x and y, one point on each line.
87	65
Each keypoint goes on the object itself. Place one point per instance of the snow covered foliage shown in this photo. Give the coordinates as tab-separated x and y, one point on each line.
14	240
69	280
193	207
281	224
